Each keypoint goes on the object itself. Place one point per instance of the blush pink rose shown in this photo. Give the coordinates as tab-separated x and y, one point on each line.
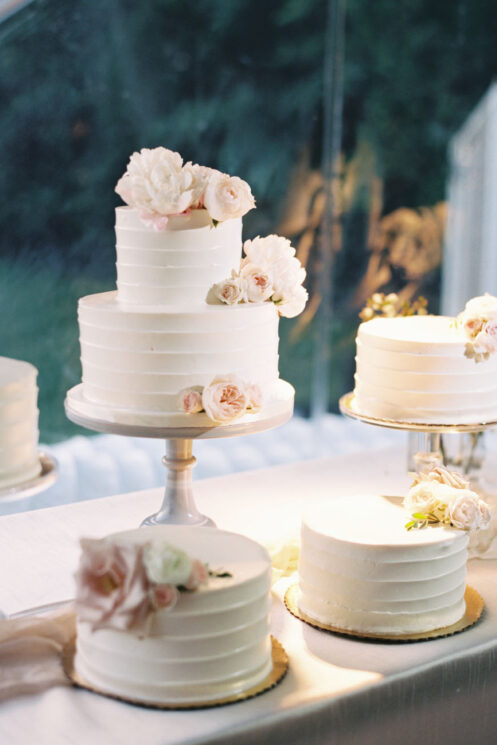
163	596
257	283
225	399
190	400
199	575
112	589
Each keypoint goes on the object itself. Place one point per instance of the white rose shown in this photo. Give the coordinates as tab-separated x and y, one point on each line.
166	565
422	497
225	399
226	197
293	304
464	510
157	185
190	400
257	283
230	291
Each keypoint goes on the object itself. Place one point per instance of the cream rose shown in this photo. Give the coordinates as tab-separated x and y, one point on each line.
230	291
226	197
256	282
190	400
166	565
484	306
225	399
425	496
157	185
464	510
255	397
200	176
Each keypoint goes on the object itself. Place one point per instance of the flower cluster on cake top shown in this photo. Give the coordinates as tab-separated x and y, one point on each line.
443	496
269	271
223	400
120	585
380	305
158	184
478	320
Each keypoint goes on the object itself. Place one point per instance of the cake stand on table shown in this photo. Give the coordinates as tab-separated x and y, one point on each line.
178	506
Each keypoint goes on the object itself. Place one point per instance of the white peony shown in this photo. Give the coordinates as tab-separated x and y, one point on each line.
166	565
266	252
256	282
200	176
293	304
157	185
226	197
230	291
484	307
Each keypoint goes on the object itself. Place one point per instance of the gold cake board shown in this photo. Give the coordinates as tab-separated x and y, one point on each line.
474	608
280	667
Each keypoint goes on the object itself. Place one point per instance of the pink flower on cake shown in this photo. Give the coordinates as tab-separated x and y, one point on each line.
190	400
157	185
478	320
163	596
111	585
226	197
198	576
257	283
255	397
230	291
225	399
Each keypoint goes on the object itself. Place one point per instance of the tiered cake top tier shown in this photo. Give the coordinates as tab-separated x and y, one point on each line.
176	266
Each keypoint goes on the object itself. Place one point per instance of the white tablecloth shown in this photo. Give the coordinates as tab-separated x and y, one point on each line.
338	690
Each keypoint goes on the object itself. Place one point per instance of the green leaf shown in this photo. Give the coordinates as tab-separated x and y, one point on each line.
215	223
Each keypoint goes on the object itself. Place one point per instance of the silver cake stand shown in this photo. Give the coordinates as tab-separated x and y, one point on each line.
178	506
432	451
47	477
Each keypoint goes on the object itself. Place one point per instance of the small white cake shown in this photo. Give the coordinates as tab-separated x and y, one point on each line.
414	369
212	644
19	461
361	570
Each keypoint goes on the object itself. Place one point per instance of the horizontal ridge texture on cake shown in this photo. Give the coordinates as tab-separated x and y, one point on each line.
214	643
178	265
414	369
19	461
142	357
361	570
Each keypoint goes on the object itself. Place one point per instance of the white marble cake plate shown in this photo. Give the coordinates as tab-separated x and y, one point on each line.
25	489
178	506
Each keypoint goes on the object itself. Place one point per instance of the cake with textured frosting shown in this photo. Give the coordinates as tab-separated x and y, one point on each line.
156	625
19	460
361	570
190	337
422	369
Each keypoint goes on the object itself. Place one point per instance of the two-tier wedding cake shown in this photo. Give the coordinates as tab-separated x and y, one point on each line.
190	337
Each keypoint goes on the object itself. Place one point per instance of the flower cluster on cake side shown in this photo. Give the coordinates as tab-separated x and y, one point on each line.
478	320
120	585
443	496
223	400
269	271
159	185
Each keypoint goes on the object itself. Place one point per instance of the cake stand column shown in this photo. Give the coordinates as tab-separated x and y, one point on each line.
425	451
178	506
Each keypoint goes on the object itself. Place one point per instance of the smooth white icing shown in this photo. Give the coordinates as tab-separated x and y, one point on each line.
215	642
176	266
19	459
413	368
361	570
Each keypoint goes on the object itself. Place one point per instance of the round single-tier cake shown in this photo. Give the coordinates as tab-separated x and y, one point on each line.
414	369
212	644
361	570
19	460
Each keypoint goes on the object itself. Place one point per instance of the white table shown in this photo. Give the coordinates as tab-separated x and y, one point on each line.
337	691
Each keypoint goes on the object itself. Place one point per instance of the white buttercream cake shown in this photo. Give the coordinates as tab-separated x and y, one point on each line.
19	460
183	318
414	368
212	644
361	570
